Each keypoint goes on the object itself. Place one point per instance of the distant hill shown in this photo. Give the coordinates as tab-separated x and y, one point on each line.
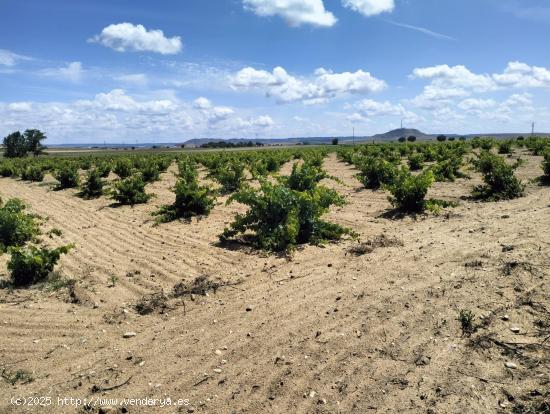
395	134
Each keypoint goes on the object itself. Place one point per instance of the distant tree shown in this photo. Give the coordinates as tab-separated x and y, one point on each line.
402	139
462	138
411	138
34	138
18	145
335	141
520	138
441	138
451	138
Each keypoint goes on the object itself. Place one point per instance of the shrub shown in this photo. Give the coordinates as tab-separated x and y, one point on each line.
281	218
304	177
32	173
375	171
409	191
104	169
229	175
150	172
131	191
32	264
447	170
546	165
499	178
416	161
187	170
505	147
466	318
68	177
16	226
93	185
7	169
191	200
123	167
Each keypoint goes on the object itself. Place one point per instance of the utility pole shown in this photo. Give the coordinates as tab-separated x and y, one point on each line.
353	135
532	128
401	123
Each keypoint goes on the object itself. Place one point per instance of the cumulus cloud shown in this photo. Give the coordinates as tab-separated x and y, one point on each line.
370	7
521	75
19	107
124	37
323	86
476	104
294	12
214	114
262	122
455	77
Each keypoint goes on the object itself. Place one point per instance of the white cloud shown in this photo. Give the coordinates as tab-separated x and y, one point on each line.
444	76
9	58
124	37
368	108
294	12
325	85
138	79
476	104
521	75
370	7
214	114
263	122
73	72
19	107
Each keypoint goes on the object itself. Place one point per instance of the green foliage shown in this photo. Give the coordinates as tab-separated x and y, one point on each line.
123	167
192	200
131	191
7	169
448	169
304	177
409	191
32	173
19	145
67	175
103	168
375	172
466	318
16	226
29	265
229	175
150	171
416	161
505	147
281	218
441	138
92	187
334	141
546	165
499	178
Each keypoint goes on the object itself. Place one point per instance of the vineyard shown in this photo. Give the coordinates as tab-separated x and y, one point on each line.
402	277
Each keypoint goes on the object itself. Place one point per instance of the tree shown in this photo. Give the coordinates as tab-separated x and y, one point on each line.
411	138
18	145
34	138
441	138
335	141
15	145
402	139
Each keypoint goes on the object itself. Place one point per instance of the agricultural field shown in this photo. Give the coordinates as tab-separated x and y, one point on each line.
383	278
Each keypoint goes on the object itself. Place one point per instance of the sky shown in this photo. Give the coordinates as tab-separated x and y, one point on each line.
142	71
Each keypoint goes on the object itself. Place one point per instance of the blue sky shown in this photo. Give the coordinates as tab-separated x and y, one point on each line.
167	71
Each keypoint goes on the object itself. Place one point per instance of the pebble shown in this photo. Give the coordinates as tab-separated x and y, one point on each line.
129	334
515	329
249	308
510	365
217	370
218	352
505	317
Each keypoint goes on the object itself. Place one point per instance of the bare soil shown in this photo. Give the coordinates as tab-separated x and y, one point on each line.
326	330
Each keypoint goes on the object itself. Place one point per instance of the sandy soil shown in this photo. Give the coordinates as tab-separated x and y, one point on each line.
325	331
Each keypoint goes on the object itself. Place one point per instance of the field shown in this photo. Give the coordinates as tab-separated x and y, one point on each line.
375	322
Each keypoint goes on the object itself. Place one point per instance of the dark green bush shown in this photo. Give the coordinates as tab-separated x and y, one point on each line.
150	171
123	167
229	175
16	226
448	169
7	169
416	161
505	147
305	177
499	178
192	200
409	191
103	168
92	187
67	175
280	218
29	265
546	165
131	191
375	172
32	173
